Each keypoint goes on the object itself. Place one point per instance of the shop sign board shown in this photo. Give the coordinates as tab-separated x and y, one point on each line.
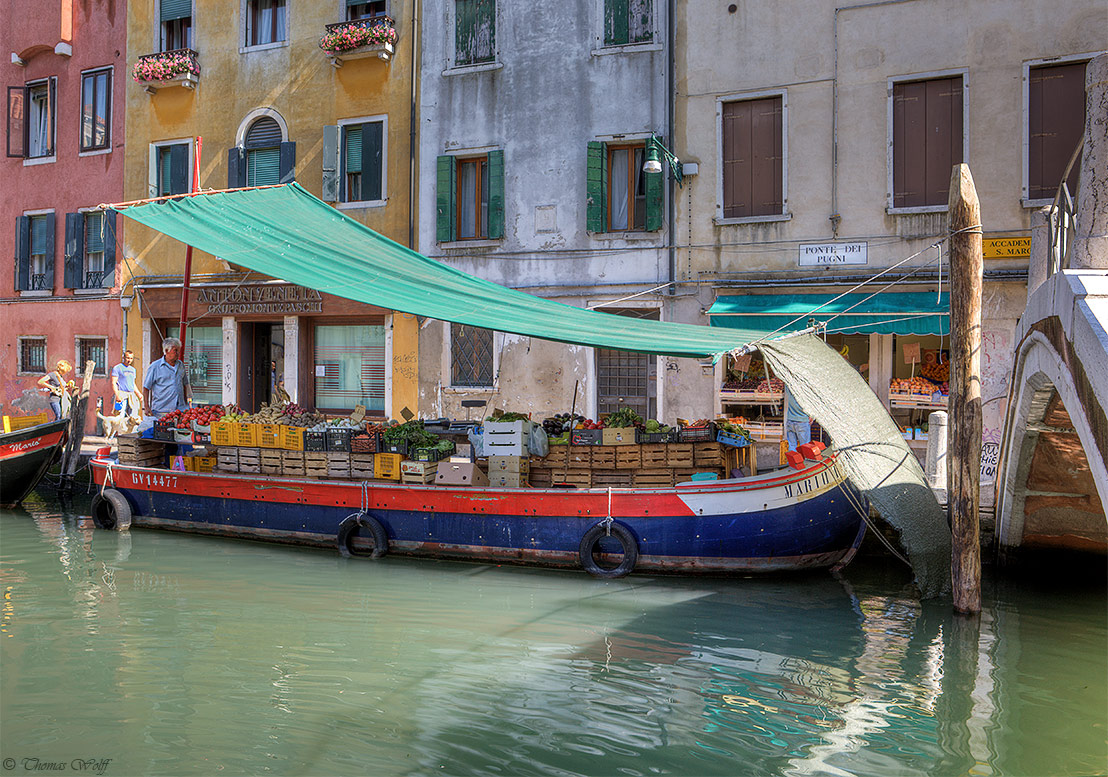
1006	247
824	254
261	299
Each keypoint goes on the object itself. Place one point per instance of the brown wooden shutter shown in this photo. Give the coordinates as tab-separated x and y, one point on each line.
1056	124
927	140
753	183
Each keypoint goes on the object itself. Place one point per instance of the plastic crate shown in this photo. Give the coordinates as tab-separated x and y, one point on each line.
15	423
586	436
315	441
431	454
400	448
697	434
338	439
163	432
364	442
292	438
387	466
734	440
653	438
246	435
269	435
223	433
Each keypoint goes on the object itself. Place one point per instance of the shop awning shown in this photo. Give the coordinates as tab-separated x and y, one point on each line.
286	233
888	313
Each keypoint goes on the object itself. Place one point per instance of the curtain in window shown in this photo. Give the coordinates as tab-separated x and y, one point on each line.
94	247
619	189
353	362
40	123
204	357
467	200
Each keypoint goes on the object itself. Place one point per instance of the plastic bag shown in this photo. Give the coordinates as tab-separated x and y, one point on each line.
540	443
477	442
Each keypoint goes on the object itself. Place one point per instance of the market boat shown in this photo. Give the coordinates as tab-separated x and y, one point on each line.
786	520
25	456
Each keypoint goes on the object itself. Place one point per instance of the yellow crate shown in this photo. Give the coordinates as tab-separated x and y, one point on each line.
223	433
200	463
269	435
15	423
292	438
387	465
246	435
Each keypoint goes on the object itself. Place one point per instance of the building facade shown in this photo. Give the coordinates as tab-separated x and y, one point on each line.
317	93
64	67
825	145
536	122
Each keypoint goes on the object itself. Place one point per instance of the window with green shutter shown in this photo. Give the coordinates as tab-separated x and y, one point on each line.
363	162
269	160
470	197
175	17
628	21
172	174
620	196
474	31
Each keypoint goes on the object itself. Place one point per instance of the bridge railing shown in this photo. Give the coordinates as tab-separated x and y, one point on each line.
1063	220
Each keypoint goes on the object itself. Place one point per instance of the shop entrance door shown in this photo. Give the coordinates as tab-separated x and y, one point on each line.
262	357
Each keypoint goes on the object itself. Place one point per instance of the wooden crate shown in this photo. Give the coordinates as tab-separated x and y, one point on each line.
541	477
227	459
338	465
652	478
654	456
315	465
679	454
611	478
707	454
418	472
580	455
250	459
603	457
559	454
292	464
628	457
361	466
270	461
576	476
139	452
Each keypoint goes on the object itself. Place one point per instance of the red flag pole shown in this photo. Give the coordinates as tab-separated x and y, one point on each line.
188	252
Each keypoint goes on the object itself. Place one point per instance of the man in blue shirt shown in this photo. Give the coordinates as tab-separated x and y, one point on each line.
167	381
127	398
798	426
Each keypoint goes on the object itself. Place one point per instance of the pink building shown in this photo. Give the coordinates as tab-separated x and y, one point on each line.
64	66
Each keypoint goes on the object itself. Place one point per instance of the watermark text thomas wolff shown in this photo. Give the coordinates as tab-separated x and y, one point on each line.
48	765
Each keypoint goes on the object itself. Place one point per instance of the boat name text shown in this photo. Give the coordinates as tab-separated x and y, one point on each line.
149	479
809	484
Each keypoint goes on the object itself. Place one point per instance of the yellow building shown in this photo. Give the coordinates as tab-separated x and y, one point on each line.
319	93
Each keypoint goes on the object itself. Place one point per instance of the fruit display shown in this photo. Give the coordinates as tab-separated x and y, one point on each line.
774	385
938	373
733	428
412	433
916	385
202	415
653	426
623	418
560	423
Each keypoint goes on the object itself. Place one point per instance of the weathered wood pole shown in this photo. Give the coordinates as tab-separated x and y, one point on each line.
77	412
964	467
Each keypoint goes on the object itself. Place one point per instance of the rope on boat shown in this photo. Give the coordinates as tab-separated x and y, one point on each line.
608	521
108	478
365	501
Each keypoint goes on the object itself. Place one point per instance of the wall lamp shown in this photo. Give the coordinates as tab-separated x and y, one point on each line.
655	153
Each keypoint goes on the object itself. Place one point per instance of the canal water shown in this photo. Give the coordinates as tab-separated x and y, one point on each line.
153	653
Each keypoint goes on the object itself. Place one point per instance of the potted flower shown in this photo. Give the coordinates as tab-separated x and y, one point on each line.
351	36
180	65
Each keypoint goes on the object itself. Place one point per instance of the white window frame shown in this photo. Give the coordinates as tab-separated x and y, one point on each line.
451	69
383	118
152	163
929	76
1028	66
111	110
78	365
19	354
600	49
737	97
29	161
244	47
448	363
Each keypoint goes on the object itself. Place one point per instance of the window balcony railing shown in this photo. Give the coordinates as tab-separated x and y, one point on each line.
94	279
162	69
38	282
358	39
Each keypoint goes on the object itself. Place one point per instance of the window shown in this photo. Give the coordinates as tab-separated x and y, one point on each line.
41	261
470	197
356	10
170	171
628	21
927	137
474	31
265	158
92	349
32	354
471	357
619	195
204	358
352	359
627	379
265	22
1055	125
31	119
90	250
96	114
362	162
751	134
176	25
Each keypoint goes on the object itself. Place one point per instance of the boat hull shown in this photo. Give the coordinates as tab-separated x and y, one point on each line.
794	520
25	456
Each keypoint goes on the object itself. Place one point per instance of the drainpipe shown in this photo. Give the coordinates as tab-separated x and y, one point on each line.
412	131
671	102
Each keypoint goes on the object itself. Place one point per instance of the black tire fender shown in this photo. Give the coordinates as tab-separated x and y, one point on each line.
353	526
626	540
111	510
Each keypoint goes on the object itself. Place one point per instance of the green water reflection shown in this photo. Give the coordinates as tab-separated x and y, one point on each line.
173	654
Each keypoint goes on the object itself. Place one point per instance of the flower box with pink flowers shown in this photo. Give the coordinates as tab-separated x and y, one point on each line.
375	37
179	67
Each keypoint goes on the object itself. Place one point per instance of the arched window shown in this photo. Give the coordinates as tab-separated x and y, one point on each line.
265	157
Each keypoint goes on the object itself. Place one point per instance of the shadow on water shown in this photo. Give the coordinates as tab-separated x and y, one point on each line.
179	654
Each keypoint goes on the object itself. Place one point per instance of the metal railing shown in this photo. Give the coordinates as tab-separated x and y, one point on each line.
1062	218
38	282
94	279
373	21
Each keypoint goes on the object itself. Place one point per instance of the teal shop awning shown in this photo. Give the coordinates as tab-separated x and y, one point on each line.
889	313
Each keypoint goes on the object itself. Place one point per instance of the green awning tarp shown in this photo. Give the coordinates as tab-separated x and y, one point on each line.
887	313
286	233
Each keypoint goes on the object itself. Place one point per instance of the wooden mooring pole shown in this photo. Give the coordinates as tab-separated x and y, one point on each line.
77	412
964	468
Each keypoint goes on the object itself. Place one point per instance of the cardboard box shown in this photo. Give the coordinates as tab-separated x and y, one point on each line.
498	464
619	436
508	479
506	438
460	473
